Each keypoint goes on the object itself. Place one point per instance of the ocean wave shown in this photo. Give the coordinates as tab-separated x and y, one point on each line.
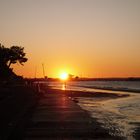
112	88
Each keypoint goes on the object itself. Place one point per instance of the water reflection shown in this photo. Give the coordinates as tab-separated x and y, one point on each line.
120	116
64	86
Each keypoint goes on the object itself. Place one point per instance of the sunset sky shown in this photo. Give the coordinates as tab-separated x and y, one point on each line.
88	38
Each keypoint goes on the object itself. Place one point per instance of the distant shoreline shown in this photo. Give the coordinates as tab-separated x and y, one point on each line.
87	79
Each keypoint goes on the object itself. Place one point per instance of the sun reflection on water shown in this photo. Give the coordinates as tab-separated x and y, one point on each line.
64	86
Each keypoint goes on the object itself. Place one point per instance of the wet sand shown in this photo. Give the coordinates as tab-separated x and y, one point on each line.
58	116
72	93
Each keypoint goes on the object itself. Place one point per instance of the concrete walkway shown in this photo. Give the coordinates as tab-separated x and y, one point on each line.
59	118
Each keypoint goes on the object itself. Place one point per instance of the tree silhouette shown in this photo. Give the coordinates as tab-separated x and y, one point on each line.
16	55
12	55
8	56
4	55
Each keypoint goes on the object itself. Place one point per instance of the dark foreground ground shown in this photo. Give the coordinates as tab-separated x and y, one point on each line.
51	114
16	105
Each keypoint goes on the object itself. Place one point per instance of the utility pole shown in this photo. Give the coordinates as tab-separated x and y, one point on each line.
43	70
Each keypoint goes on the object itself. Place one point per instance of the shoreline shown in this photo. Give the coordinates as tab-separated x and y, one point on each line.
57	108
74	93
45	91
75	96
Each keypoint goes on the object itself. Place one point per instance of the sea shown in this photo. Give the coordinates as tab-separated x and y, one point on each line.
120	116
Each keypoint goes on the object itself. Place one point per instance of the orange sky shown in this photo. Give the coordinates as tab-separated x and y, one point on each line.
88	38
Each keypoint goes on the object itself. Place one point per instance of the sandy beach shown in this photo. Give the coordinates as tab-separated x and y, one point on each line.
117	123
52	117
58	116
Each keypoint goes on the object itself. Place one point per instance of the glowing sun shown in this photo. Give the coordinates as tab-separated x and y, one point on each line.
64	76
